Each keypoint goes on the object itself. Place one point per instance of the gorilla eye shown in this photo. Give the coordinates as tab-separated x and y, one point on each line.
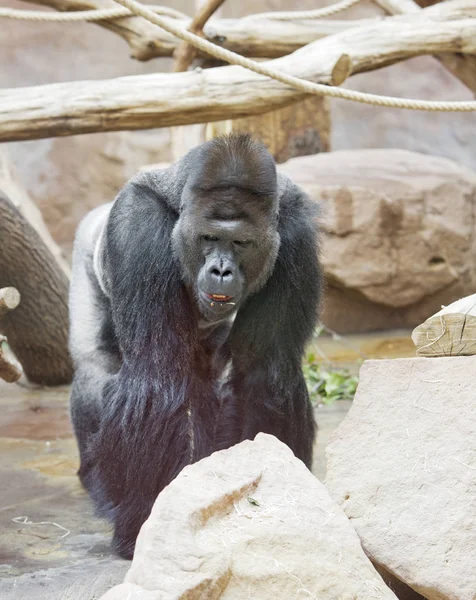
210	238
242	242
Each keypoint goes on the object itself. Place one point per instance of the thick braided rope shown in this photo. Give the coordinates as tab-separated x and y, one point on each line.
317	13
103	14
303	85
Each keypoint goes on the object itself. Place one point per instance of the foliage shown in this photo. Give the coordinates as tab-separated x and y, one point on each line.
327	385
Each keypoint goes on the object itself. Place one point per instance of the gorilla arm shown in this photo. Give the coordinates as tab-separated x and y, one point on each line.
91	341
146	433
267	391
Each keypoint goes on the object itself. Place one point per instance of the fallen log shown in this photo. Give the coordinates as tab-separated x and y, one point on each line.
37	329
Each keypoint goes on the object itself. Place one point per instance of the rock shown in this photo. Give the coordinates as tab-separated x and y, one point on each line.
248	522
402	465
396	246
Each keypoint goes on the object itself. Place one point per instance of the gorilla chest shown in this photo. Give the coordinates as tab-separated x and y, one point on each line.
216	353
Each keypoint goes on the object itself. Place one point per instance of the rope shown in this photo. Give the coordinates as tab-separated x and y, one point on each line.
317	13
152	14
302	85
103	14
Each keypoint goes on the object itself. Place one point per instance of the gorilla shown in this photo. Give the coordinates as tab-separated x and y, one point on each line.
192	298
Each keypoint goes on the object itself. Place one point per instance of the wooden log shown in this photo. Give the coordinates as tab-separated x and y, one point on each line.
163	100
260	38
10	369
11	186
297	130
449	332
9	299
38	329
462	67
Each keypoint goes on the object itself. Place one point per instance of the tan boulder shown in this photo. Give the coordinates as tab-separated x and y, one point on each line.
402	465
400	234
248	522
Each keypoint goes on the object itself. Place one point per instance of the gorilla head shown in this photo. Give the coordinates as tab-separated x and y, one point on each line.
226	237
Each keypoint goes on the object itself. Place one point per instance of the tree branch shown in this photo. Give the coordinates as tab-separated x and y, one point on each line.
462	67
10	370
185	53
9	299
163	100
261	38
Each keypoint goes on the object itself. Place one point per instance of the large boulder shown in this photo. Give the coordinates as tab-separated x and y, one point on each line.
249	522
402	465
400	234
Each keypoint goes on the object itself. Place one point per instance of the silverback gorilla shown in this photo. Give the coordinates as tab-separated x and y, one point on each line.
192	298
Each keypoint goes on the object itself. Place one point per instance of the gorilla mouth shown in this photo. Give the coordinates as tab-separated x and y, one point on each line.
219	297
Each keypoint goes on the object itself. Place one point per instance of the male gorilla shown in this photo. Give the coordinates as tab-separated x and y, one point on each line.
192	298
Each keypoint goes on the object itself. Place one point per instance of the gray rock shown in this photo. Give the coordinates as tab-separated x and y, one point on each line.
400	234
402	465
249	522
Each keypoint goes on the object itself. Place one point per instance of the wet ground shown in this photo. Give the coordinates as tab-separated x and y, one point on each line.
52	547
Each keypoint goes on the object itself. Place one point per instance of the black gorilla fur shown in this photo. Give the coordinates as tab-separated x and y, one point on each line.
147	398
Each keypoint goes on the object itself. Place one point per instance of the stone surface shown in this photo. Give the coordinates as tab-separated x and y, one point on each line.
249	522
402	465
401	234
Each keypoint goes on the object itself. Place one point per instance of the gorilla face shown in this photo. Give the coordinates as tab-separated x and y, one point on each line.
226	235
227	243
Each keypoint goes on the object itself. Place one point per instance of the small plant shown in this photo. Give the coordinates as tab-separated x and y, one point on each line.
327	385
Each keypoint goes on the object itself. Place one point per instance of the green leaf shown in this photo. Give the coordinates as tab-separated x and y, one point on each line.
326	385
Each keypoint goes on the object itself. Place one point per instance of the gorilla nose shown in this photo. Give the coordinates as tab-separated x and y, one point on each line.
221	275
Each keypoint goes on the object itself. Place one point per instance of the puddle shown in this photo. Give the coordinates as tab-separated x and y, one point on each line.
349	351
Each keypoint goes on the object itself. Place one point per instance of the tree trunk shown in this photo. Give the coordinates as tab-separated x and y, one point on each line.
38	329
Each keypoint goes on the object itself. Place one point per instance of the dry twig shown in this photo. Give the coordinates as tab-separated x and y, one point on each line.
185	53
